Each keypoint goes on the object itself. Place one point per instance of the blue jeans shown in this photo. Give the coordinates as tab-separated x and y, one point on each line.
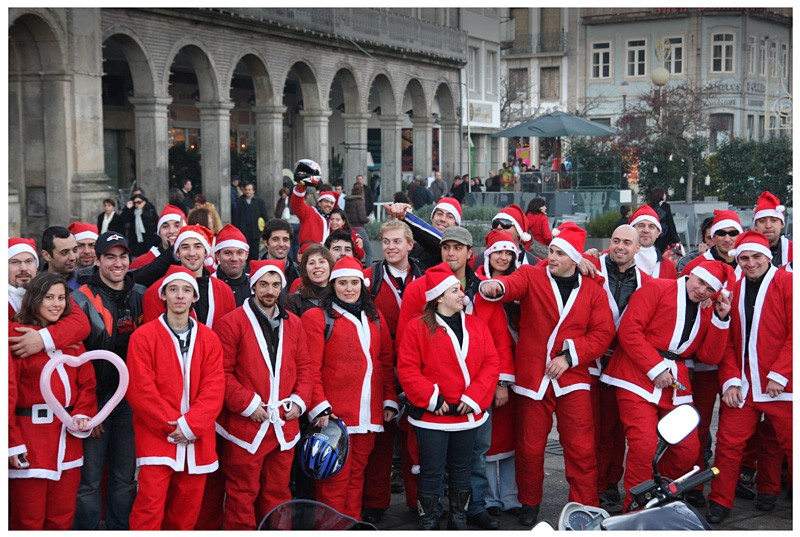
477	477
439	448
116	446
502	491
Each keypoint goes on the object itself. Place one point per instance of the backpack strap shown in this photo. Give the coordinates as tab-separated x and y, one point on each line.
377	277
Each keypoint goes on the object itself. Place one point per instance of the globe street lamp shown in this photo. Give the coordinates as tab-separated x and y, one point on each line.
623	90
660	77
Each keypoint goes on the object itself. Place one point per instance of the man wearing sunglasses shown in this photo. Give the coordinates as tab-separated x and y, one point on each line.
724	230
512	219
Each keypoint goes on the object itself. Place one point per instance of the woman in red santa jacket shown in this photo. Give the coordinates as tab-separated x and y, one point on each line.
44	455
661	327
354	377
500	259
448	367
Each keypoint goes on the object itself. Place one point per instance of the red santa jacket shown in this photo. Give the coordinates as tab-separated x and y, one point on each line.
664	268
653	321
162	389
71	329
491	313
251	381
313	226
430	365
583	325
51	447
352	370
154	252
388	300
770	344
221	301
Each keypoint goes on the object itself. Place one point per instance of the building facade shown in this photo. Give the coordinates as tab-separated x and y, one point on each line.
97	97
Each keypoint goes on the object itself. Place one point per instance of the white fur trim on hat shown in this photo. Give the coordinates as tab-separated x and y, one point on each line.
191	235
448	208
443	286
570	250
345	272
524	236
648	217
231	243
726	223
169	218
707	277
777	212
23	248
750	247
262	271
327	196
180	276
86	235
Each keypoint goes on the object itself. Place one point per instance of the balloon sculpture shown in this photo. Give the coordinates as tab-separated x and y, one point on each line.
75	361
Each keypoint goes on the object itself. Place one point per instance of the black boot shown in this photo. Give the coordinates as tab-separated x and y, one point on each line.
426	506
459	500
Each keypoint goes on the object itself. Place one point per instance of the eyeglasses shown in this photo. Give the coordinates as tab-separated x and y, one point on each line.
722	233
502	222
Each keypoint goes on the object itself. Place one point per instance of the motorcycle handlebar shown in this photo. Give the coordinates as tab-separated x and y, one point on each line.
677	488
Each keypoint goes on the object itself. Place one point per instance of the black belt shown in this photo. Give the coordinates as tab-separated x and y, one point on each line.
671	356
29	411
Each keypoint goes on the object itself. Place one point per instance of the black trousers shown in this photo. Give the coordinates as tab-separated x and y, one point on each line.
438	449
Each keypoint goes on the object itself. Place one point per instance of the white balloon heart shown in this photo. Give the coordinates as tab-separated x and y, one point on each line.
76	361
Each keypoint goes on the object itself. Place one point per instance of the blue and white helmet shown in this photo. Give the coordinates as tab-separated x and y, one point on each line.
323	451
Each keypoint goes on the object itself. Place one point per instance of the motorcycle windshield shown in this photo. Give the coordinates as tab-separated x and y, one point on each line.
309	515
674	516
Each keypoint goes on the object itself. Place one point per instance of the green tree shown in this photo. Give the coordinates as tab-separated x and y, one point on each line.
243	164
185	164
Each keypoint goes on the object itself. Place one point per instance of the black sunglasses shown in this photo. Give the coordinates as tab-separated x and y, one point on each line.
722	233
502	222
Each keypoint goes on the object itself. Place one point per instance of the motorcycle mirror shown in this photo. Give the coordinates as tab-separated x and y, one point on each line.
678	424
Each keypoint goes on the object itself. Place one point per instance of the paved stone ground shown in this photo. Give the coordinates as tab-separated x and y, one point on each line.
743	517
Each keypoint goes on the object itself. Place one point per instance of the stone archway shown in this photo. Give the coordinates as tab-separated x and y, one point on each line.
308	120
382	106
423	122
348	126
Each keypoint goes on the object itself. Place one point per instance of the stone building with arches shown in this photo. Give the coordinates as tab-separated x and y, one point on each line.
98	96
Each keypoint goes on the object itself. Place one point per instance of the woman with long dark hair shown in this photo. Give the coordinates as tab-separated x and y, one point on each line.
45	455
141	219
337	219
669	235
448	367
351	352
316	264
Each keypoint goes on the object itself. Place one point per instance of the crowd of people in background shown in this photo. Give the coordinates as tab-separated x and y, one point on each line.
444	367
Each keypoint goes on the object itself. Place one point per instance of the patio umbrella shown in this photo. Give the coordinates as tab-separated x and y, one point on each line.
554	125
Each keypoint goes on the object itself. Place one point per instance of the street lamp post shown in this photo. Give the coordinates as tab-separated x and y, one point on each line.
660	77
623	90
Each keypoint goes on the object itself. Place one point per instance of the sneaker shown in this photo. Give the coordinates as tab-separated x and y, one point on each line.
528	515
766	502
695	498
716	512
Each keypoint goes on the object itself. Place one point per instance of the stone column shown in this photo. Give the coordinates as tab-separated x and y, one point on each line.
269	152
151	115
355	159
60	143
215	147
481	150
391	153
423	148
315	130
16	166
449	154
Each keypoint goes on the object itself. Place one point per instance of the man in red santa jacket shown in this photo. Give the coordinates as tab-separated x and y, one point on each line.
768	218
552	374
73	328
313	220
756	371
176	390
662	326
267	384
191	247
649	258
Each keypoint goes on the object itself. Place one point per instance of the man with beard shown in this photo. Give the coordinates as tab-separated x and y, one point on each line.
113	303
86	235
267	387
649	258
769	219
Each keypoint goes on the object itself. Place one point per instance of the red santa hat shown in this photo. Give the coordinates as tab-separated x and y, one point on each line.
169	214
261	267
645	213
769	205
82	231
515	213
201	233
498	241
348	267
18	245
179	272
720	276
570	238
230	237
328	195
723	219
751	241
438	279
449	205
